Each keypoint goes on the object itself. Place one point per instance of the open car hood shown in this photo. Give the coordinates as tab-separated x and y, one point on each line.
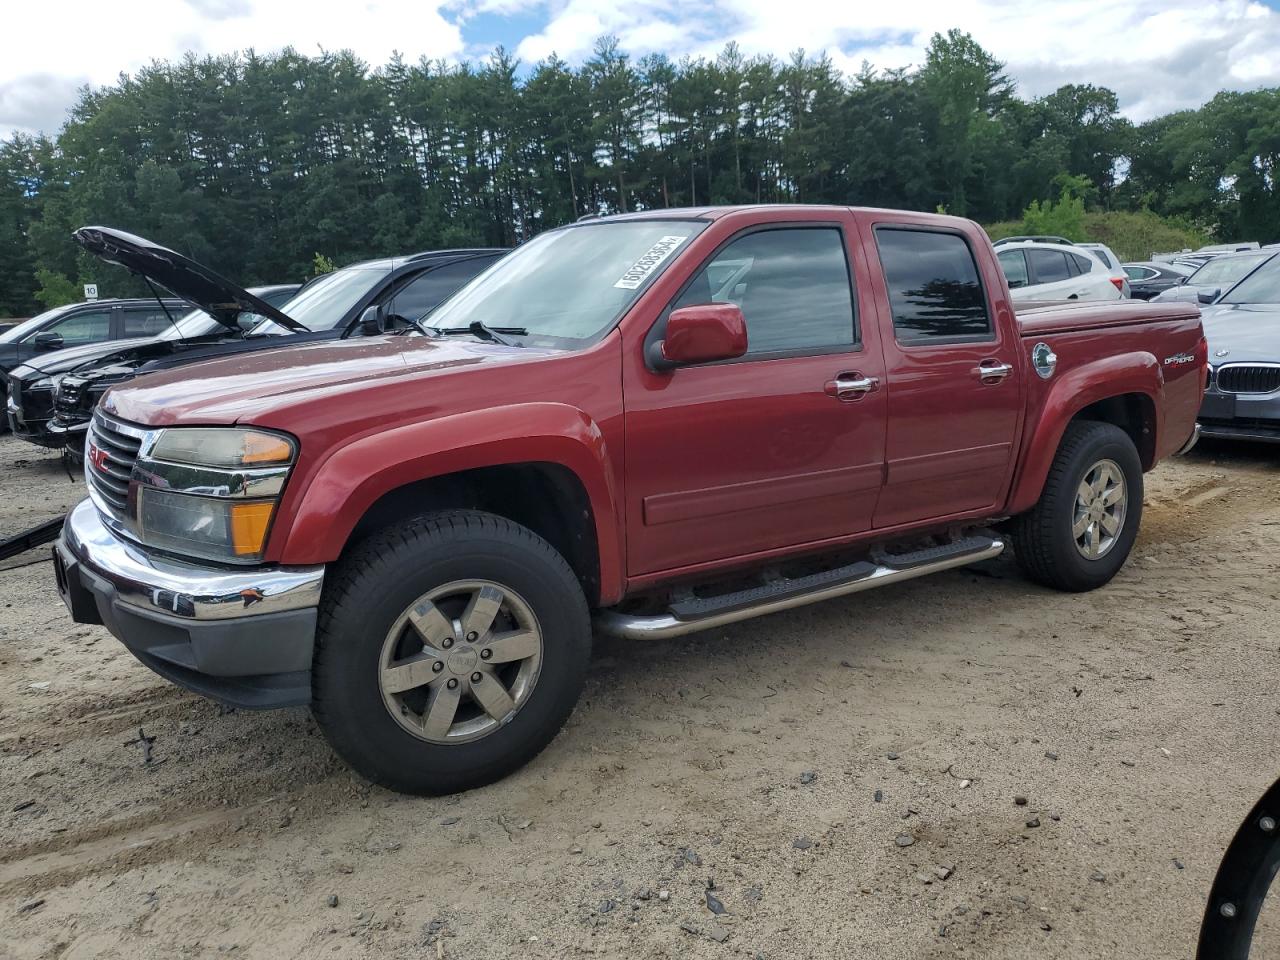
193	282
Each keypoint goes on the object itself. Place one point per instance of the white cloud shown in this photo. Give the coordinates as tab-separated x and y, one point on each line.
94	42
1157	58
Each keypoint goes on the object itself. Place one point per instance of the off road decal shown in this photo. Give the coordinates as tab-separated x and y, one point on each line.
654	256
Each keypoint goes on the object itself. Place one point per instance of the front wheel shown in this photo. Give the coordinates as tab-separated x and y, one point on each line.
450	651
1080	533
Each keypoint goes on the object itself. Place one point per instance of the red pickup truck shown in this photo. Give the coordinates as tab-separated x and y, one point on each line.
659	422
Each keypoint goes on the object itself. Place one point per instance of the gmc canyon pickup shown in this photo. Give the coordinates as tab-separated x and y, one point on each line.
654	423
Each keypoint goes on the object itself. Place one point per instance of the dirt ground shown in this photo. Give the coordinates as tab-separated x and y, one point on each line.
840	779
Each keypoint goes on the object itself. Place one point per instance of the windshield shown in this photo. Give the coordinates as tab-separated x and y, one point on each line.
28	327
1224	271
1261	287
323	303
194	323
570	284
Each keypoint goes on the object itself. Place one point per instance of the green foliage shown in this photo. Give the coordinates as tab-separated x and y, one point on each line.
320	265
1063	217
252	163
55	290
1132	235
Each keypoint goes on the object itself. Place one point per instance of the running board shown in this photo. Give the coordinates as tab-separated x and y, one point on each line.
691	615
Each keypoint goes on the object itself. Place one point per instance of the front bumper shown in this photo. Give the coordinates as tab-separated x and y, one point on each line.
244	637
1241	416
29	420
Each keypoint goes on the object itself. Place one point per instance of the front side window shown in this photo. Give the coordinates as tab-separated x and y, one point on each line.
1014	265
91	326
934	289
570	285
428	290
791	284
1049	266
324	303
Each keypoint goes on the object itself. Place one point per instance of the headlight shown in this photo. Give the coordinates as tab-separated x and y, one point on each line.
211	492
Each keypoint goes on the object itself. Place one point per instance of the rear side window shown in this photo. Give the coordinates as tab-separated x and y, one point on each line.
791	284
934	289
1105	257
145	322
1014	265
1083	264
1049	266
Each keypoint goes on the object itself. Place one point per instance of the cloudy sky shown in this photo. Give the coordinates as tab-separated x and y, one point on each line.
1158	56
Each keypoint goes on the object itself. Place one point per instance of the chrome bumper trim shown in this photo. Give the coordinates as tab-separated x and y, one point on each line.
158	584
665	626
1191	442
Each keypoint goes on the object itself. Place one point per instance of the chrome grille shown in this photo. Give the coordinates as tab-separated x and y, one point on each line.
1249	378
108	471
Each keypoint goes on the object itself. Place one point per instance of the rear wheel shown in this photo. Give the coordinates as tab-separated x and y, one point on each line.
1080	533
450	651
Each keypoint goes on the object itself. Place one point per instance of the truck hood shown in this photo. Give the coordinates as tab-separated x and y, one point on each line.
241	388
1246	331
193	282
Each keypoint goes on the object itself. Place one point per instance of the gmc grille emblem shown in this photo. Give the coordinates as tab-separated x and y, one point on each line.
97	457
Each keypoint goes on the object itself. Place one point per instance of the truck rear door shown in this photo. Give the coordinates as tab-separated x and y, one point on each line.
953	370
767	451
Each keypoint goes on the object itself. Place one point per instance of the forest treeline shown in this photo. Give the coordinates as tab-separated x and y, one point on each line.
254	164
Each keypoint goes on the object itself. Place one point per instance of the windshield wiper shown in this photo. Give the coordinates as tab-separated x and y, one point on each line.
478	328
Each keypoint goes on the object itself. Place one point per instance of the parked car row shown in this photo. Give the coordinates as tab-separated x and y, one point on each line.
59	368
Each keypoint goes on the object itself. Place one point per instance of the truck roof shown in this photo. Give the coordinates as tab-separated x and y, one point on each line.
801	209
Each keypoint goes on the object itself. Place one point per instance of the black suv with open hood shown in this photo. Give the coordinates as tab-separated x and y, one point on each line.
368	297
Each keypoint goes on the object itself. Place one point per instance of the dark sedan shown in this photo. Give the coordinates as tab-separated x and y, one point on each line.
1148	278
368	297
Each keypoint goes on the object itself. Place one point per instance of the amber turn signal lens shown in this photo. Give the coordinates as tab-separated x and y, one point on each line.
249	523
263	448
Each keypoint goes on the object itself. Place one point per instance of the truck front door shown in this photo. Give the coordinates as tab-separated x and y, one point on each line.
737	458
953	372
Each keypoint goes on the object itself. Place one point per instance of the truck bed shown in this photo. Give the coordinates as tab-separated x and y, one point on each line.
1039	317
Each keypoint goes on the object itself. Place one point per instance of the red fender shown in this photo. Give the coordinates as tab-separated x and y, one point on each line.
1113	376
343	487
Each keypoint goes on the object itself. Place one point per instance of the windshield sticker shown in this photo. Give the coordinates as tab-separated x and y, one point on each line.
641	269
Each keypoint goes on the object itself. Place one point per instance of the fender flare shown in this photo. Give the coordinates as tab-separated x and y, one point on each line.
319	517
1138	372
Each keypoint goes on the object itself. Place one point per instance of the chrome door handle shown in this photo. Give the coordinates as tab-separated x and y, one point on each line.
851	386
992	372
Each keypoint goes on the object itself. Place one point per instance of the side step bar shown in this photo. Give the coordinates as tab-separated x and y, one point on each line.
689	616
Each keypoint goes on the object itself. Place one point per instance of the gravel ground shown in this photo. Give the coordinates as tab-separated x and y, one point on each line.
965	765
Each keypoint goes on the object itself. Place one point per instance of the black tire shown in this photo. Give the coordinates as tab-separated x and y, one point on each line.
377	582
1042	537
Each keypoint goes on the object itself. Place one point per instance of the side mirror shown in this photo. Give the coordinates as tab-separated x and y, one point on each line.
1209	295
47	340
702	334
372	322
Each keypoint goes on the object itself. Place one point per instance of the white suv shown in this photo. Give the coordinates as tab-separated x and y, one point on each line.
1113	265
1050	271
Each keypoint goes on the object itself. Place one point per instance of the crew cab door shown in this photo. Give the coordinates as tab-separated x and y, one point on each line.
953	372
765	452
